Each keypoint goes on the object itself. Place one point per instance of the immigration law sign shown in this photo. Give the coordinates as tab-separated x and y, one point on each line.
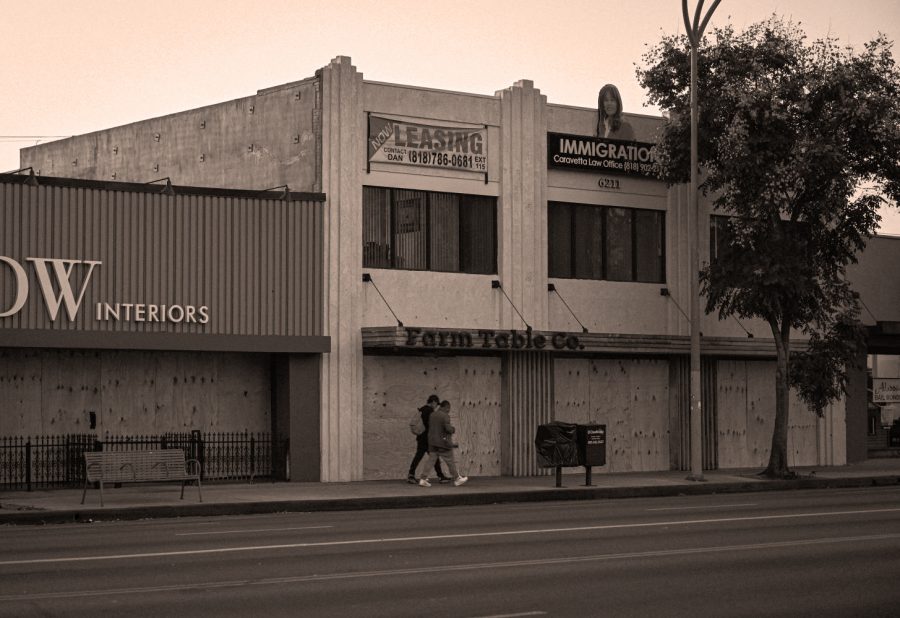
600	154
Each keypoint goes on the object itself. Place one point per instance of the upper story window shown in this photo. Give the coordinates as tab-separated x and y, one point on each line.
718	235
426	230
603	242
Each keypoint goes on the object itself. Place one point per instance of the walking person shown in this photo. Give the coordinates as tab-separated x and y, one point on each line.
425	413
441	445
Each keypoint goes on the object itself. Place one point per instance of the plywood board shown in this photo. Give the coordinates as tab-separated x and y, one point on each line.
630	397
129	392
803	447
69	390
394	387
649	402
20	392
572	383
47	392
746	416
731	398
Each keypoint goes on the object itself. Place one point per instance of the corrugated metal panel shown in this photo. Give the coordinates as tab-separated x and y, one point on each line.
680	414
255	263
708	384
527	402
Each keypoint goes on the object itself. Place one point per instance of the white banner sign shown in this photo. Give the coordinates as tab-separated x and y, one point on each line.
409	143
886	390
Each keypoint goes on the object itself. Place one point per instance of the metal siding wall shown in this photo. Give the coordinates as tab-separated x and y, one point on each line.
680	414
256	264
710	429
527	402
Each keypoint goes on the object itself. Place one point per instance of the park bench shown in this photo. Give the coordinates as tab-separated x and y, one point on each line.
140	467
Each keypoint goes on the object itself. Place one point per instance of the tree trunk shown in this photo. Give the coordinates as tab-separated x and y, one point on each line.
778	464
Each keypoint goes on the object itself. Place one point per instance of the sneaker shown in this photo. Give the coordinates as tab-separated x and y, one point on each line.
460	480
424	483
444	479
411	479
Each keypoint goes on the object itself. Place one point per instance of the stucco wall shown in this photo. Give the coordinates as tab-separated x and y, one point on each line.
256	142
872	277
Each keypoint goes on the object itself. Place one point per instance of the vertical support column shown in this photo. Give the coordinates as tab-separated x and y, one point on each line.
522	216
296	416
527	401
342	119
857	412
679	413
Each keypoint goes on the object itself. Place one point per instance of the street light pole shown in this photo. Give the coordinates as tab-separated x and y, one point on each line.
695	34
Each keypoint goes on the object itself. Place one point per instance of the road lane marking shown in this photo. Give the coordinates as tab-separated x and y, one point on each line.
443	569
713	506
514	615
438	537
250	530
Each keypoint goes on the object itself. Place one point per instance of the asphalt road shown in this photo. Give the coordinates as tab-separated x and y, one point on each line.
815	553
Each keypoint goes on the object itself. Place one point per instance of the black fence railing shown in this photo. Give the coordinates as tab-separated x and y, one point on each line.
58	461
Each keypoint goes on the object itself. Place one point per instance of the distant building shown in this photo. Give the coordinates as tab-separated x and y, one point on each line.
491	249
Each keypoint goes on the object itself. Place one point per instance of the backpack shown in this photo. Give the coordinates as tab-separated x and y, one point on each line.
416	425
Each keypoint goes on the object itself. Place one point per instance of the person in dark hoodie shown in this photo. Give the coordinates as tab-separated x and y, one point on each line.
422	443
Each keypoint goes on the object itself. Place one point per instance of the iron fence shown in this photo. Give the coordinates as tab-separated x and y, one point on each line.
58	461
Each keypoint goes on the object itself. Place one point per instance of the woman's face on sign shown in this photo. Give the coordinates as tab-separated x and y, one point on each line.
610	107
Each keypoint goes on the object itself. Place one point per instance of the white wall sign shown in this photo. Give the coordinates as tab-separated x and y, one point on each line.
55	279
886	390
425	145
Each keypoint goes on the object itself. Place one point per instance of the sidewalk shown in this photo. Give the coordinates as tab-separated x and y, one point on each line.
139	501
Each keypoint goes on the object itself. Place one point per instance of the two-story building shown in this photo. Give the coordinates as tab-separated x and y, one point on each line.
492	249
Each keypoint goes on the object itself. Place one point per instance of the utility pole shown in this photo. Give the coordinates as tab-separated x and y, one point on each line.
695	34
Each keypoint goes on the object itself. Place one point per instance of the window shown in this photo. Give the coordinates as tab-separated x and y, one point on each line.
718	236
602	242
426	230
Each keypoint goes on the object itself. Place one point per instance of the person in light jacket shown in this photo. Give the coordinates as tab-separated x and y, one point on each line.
441	445
422	443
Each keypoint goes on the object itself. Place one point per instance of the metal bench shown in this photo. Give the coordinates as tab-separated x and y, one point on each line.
140	467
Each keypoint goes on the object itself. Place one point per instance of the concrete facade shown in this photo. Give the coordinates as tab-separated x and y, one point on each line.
312	135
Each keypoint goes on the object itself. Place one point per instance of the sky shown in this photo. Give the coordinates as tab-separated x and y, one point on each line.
75	66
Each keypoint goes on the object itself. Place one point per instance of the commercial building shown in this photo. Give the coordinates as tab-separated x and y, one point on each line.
491	249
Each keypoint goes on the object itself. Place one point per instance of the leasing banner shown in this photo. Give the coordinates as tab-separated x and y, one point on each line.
410	143
598	154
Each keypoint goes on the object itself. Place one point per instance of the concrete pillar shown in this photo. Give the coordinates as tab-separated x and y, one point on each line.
296	415
522	214
340	114
857	410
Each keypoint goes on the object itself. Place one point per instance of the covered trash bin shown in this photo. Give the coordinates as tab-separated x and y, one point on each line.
591	445
556	445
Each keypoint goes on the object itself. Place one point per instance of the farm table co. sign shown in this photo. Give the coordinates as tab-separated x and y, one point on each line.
426	145
491	339
600	154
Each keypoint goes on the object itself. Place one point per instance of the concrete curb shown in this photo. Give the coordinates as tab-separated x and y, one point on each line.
92	514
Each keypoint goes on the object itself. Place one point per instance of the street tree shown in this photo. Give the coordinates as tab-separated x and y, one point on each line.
798	145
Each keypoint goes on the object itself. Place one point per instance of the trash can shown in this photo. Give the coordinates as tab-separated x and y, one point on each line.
591	445
556	445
